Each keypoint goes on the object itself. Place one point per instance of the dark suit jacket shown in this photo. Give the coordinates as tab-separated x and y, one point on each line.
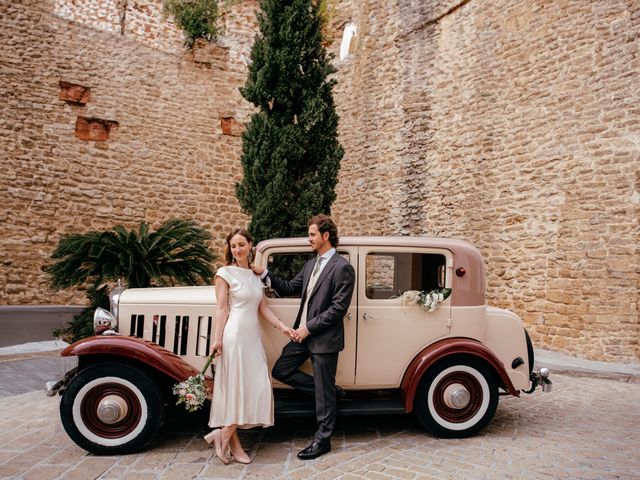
327	303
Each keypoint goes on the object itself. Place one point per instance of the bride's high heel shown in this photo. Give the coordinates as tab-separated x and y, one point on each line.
209	437
214	436
236	445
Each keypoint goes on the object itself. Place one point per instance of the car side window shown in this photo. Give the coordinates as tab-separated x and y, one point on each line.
286	265
389	275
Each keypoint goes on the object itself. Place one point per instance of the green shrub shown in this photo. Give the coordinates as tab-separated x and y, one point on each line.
176	253
197	18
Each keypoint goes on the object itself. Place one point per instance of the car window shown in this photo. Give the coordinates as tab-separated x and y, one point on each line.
287	265
389	275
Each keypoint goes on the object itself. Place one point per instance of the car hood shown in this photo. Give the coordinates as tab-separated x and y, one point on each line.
169	295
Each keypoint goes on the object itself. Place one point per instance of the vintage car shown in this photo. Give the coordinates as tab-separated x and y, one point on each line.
447	364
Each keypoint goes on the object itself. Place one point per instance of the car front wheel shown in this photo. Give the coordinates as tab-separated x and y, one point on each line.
112	409
456	398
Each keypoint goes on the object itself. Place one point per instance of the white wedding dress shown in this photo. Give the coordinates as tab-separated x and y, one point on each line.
242	393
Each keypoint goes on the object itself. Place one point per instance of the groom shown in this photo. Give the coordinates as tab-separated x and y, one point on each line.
326	283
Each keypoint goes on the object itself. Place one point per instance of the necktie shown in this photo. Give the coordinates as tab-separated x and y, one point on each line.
310	285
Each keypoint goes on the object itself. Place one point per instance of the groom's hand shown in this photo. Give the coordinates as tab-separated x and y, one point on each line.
300	334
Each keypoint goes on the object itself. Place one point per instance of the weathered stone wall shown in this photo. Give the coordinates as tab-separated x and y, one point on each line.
138	130
514	125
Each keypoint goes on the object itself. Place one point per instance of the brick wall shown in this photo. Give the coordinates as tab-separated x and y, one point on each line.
100	128
513	125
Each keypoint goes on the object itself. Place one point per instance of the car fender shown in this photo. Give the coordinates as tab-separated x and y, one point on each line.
138	349
445	348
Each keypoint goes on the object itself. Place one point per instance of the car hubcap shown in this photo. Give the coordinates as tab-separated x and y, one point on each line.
112	409
456	396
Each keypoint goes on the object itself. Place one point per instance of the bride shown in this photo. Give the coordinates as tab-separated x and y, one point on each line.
242	394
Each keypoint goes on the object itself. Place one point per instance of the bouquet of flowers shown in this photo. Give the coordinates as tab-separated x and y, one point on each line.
193	391
427	300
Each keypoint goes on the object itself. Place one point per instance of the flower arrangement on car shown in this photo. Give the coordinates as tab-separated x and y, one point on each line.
427	300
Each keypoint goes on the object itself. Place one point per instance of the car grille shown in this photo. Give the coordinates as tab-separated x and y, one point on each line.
182	334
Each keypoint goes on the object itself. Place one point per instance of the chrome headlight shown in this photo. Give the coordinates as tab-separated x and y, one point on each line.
103	321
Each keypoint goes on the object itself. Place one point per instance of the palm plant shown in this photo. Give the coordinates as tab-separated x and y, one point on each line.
176	253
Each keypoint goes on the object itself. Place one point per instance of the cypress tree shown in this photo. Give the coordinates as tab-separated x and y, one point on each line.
291	154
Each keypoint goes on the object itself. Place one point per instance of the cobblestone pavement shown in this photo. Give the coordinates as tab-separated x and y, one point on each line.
587	428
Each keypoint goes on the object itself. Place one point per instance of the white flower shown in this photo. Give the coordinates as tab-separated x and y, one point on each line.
428	301
410	297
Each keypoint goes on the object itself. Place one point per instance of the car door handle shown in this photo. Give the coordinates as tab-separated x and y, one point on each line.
348	316
366	317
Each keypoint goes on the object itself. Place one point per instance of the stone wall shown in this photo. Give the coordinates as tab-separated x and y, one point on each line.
513	125
100	128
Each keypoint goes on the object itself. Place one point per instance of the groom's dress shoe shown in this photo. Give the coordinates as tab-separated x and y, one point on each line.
314	451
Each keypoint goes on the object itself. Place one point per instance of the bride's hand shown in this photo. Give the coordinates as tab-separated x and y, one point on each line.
286	331
257	270
216	349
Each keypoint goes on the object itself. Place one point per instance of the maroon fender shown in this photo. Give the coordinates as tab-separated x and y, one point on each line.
134	348
451	346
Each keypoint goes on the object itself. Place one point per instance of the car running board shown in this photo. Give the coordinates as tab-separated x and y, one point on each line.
289	407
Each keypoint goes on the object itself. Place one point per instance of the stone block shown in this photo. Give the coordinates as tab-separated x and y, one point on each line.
209	54
73	93
230	126
94	129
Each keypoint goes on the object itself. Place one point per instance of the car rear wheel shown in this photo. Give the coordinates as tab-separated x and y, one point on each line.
456	398
112	409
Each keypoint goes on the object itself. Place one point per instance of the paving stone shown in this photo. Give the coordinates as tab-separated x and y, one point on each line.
272	453
194	457
116	472
563	435
181	471
44	472
154	461
89	469
139	476
216	469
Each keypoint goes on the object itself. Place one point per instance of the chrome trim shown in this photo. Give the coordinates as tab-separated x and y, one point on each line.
456	396
540	377
112	409
103	321
52	387
114	299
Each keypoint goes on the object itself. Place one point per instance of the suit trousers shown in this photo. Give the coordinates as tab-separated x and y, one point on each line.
322	384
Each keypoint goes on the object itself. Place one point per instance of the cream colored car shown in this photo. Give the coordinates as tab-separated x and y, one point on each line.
446	356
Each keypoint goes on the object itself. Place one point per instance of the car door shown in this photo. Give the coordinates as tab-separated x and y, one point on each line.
286	262
391	333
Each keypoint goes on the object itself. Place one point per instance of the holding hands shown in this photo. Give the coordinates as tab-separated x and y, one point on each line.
299	334
286	331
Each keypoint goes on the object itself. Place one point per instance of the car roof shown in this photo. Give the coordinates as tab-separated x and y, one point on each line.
387	241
